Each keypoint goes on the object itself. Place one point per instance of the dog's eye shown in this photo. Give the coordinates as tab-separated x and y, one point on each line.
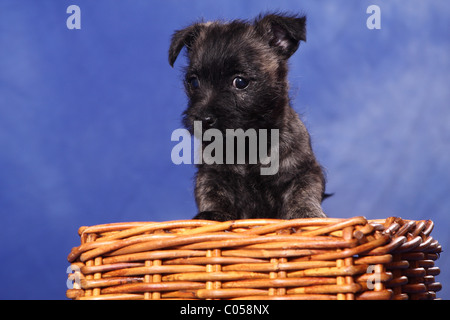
194	82
240	83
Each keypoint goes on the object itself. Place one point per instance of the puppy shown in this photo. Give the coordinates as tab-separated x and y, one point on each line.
237	79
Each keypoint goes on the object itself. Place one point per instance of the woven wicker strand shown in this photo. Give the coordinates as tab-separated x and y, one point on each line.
333	259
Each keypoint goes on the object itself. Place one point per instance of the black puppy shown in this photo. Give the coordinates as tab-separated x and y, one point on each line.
237	79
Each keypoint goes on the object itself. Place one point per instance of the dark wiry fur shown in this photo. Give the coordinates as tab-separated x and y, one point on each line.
257	51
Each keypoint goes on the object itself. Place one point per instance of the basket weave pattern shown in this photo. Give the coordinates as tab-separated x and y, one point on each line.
324	258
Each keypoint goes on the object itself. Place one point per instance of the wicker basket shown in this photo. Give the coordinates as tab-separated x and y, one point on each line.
324	258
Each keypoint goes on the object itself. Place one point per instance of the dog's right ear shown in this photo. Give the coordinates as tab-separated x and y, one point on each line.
182	38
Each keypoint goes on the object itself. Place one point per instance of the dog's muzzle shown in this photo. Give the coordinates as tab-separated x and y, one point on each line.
207	121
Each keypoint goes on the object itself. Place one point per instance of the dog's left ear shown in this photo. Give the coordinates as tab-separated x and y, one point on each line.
284	32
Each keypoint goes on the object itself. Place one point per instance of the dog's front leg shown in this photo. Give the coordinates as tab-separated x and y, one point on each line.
303	201
215	215
215	198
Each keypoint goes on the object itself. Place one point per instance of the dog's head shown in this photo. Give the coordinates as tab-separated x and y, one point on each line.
237	71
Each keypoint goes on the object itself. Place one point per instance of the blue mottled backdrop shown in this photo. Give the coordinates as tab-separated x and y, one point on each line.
86	117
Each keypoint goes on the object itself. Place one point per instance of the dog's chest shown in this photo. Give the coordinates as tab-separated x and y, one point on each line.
255	196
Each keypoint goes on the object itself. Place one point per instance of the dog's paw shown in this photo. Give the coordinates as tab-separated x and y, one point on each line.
318	214
214	215
306	212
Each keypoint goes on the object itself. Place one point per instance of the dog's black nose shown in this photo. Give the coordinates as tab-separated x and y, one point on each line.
209	121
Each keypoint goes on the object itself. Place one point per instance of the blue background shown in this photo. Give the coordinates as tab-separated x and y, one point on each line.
86	118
